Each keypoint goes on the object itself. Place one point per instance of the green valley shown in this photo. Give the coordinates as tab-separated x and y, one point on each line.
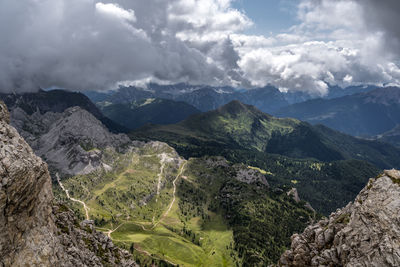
195	212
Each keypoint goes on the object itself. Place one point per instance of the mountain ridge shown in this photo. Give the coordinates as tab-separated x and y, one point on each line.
244	126
150	110
56	101
363	114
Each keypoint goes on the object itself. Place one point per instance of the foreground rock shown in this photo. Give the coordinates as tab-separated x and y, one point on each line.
34	232
364	233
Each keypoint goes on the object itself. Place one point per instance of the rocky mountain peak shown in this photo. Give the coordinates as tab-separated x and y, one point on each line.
71	141
364	233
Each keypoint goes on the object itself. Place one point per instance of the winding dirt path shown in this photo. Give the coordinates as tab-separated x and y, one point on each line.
73	199
163	160
109	232
182	168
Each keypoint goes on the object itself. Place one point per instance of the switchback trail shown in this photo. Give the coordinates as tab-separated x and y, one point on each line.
73	199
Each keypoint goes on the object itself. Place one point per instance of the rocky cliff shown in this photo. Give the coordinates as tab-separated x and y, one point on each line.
34	231
71	142
364	233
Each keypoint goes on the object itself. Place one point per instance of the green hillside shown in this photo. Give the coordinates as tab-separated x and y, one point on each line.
239	126
196	212
329	167
150	110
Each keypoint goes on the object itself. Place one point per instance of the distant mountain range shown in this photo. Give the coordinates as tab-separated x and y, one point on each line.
363	114
205	98
391	137
150	110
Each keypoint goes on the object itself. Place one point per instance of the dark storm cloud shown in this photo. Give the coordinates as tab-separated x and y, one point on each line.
383	15
88	44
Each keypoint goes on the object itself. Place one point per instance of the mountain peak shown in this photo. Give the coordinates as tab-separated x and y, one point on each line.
236	107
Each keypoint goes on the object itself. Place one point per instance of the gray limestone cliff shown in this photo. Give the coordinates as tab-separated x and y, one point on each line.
71	142
35	231
364	233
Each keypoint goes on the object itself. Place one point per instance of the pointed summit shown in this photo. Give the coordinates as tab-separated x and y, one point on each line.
235	106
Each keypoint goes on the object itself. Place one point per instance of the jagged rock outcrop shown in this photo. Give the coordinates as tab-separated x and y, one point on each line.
364	233
56	101
32	233
249	176
294	194
83	246
71	142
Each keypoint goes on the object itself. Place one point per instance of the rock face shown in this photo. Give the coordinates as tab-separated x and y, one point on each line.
56	101
364	233
71	142
250	176
26	230
33	232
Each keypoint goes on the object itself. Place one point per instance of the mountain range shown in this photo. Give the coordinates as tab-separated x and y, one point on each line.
364	114
167	211
290	151
205	98
278	176
239	126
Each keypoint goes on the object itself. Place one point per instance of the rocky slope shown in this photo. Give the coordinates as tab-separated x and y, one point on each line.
33	230
71	142
56	101
364	233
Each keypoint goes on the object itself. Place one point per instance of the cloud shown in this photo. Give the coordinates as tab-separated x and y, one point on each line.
90	44
338	42
87	44
383	16
116	11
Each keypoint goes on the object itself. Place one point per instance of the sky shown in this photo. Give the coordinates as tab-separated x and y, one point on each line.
295	45
269	16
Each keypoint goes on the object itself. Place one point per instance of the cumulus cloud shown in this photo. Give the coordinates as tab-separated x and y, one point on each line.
116	11
338	42
92	44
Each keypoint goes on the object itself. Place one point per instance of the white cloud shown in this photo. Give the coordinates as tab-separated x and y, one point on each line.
348	78
333	44
116	11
